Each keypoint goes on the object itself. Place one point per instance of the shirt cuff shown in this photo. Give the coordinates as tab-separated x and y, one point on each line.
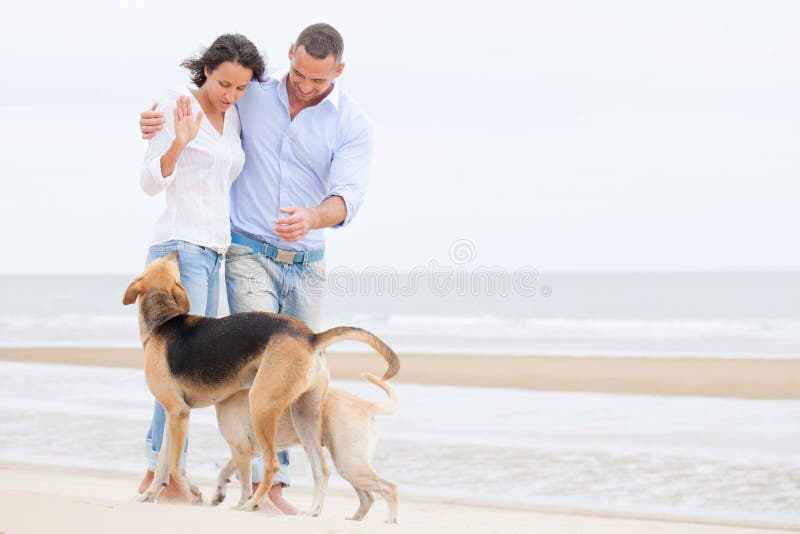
153	170
350	205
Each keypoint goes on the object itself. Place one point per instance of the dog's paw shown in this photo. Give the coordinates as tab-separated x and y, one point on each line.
250	506
218	498
314	512
147	496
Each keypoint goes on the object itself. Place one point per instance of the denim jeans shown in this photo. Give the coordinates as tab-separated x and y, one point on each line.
199	267
257	283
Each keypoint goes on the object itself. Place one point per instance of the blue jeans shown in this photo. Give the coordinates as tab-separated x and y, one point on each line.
257	283
199	268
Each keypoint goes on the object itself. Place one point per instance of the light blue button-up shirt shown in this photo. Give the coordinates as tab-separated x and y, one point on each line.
326	150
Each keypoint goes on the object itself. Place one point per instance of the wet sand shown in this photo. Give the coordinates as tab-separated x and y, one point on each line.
714	377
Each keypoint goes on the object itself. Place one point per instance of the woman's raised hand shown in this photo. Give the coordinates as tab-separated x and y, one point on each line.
186	127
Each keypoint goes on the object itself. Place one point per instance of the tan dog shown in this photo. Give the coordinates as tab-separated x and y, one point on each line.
348	431
192	361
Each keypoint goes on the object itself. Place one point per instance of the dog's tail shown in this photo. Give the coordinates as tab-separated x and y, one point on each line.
384	406
340	333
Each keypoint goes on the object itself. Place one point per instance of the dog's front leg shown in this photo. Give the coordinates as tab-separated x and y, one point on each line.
306	414
233	418
242	461
161	476
223	479
177	427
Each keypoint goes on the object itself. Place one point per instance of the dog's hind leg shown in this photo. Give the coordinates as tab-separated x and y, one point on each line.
365	503
307	418
266	409
367	479
264	425
281	378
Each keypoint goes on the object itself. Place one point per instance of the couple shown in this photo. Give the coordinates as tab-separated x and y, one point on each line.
256	183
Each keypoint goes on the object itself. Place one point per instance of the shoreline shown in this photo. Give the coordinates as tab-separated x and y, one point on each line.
86	494
706	377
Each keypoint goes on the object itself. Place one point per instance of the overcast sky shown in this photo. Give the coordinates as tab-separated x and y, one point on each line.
572	135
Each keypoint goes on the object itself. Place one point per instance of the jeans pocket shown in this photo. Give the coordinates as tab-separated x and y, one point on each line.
158	251
237	252
190	248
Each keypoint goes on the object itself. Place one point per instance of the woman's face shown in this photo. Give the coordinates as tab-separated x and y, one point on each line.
226	84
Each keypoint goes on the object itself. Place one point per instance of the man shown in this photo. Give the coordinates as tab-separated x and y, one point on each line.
308	149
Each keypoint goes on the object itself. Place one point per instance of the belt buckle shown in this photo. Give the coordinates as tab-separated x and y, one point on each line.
285	256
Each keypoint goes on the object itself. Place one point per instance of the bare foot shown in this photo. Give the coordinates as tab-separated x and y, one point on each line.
269	508
276	496
170	495
146	481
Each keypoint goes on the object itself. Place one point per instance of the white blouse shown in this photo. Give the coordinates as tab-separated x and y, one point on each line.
198	190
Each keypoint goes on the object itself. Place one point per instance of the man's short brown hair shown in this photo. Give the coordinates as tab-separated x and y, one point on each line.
320	41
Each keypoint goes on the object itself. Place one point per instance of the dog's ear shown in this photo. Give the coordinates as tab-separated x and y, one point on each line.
181	297
133	291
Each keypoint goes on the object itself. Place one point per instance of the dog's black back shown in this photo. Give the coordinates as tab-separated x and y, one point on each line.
211	351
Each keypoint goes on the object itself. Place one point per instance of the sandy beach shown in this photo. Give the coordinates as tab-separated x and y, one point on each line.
94	502
89	501
708	377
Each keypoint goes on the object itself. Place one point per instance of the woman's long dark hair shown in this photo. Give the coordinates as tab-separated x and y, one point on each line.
235	48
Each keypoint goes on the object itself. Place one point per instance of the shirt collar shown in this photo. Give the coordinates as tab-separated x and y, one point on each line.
283	75
333	97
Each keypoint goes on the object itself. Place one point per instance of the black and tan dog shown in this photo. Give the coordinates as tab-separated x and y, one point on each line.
192	361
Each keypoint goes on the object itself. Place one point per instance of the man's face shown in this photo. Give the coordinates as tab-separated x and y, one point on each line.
309	77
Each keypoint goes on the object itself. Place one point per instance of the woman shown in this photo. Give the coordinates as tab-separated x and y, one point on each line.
195	159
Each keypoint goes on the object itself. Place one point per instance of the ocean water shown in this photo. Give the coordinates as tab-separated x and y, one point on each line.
681	457
642	314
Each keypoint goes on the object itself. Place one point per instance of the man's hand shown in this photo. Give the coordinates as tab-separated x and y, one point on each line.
151	121
297	224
